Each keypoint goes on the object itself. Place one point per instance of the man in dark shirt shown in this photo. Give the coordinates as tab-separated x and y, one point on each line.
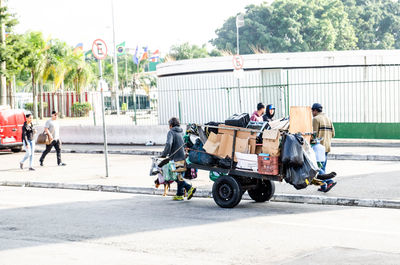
174	148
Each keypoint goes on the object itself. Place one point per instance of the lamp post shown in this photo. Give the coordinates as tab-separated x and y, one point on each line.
239	24
115	61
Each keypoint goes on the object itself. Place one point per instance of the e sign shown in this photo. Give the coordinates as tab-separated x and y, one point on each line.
99	49
237	62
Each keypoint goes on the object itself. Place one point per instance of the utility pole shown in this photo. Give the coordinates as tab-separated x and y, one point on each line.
3	81
239	23
115	61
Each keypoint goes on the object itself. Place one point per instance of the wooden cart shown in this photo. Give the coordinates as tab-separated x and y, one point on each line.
229	188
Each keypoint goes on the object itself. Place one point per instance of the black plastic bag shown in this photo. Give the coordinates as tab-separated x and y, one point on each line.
199	156
225	162
292	150
301	177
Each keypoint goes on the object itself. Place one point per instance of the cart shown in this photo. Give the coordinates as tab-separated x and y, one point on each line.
229	188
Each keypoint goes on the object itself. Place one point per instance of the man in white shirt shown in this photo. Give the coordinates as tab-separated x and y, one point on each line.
52	129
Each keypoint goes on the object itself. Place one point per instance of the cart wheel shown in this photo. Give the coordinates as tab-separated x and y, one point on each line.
264	191
227	192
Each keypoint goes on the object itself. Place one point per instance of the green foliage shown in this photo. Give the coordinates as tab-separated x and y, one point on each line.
29	106
314	25
187	51
81	109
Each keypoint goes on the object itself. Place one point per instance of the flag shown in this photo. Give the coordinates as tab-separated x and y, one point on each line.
145	55
121	49
155	56
135	56
78	47
88	55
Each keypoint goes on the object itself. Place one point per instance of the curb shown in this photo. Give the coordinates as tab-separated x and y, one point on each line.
157	153
363	157
291	198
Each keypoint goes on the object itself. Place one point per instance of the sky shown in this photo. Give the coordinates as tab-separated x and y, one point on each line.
158	24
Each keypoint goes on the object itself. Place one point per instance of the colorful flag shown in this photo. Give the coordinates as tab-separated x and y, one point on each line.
121	49
145	55
135	56
155	56
78	47
88	55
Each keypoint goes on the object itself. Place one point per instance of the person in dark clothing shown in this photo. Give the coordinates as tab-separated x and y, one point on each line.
174	148
29	143
269	113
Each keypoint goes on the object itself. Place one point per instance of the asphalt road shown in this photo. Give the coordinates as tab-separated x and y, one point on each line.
47	226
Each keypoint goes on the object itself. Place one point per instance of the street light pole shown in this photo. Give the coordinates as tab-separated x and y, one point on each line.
115	61
239	23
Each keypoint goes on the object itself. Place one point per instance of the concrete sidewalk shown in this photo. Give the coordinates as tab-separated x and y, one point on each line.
338	153
370	182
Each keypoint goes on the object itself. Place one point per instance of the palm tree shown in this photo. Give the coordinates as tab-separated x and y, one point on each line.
35	62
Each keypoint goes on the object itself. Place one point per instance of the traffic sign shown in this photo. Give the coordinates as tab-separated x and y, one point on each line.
237	62
99	49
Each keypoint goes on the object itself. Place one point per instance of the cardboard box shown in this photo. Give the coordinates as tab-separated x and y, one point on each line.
240	134
258	149
212	144
271	142
226	144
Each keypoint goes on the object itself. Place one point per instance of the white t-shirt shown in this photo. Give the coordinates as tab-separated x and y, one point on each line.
54	128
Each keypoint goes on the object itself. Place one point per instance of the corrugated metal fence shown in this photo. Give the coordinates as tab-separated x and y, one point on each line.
365	94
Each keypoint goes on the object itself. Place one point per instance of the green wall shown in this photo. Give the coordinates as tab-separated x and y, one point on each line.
367	130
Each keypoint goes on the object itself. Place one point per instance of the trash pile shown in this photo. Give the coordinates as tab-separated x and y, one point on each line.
280	147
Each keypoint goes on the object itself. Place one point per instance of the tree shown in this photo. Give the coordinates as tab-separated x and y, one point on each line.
7	21
187	51
290	26
36	47
376	23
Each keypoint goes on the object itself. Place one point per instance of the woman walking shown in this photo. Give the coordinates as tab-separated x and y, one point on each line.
29	144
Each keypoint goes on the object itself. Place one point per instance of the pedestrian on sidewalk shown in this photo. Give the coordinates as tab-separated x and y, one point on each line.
52	129
28	142
174	148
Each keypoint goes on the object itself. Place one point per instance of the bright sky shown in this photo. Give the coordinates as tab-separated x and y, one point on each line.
156	23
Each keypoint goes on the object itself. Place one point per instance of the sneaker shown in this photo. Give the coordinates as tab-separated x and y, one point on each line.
177	198
330	186
31	169
41	163
21	165
62	164
191	193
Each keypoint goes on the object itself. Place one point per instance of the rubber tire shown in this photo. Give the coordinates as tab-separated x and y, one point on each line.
264	191
16	150
227	192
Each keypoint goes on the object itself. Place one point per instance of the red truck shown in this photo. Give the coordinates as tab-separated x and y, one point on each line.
11	122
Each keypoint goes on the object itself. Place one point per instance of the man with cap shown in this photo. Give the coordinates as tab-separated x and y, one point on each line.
323	128
52	129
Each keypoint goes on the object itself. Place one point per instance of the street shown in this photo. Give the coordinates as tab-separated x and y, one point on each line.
47	226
